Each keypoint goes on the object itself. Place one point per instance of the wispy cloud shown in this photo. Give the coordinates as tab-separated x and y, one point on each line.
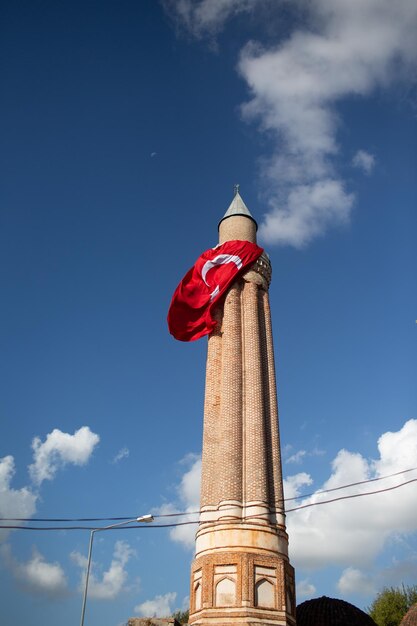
122	454
159	606
367	581
299	456
59	449
36	575
113	580
202	18
364	161
347	49
305	589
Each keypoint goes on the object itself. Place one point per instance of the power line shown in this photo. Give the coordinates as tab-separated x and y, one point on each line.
181	514
215	521
353	495
308	495
360	482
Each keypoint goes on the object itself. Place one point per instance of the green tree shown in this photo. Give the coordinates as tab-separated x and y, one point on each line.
391	604
181	616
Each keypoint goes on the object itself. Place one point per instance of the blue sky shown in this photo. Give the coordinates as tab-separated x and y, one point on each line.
124	126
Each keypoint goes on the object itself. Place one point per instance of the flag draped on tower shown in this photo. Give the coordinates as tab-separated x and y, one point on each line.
190	314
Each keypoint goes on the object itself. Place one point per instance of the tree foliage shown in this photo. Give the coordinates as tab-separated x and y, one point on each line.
181	616
391	604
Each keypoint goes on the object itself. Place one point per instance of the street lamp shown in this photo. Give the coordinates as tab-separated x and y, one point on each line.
143	518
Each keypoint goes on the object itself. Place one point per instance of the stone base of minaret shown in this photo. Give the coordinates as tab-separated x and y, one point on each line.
242	576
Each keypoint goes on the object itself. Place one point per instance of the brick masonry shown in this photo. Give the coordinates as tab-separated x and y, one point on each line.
241	573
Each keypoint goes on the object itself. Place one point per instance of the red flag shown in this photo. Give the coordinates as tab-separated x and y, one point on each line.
190	314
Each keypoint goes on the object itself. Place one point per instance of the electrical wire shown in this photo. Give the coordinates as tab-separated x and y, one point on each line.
181	514
353	495
216	521
360	482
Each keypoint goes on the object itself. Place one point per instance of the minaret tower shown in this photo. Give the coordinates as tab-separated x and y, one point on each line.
241	573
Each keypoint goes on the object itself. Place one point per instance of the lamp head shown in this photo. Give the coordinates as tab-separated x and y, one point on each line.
145	518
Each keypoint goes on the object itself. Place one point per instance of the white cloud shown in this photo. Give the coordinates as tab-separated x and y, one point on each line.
300	455
297	457
354	580
14	503
293	484
122	454
113	580
364	161
58	450
350	49
206	17
306	212
159	606
398	450
346	50
352	533
368	581
188	492
348	533
189	488
305	589
37	575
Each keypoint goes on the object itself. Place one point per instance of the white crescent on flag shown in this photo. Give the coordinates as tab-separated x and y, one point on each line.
191	312
220	259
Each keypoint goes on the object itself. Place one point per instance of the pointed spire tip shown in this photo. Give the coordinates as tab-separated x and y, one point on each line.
237	207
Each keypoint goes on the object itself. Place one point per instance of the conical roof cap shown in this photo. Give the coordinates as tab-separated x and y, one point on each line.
238	207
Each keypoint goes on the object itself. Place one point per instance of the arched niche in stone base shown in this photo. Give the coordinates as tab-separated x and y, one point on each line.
265	594
225	594
197	597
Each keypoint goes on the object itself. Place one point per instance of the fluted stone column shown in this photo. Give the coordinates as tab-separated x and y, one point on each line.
255	460
273	447
230	440
209	483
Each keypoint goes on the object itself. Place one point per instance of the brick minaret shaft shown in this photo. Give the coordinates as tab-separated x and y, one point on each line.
241	573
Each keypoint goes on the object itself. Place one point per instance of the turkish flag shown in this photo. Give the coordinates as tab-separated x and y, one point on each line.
190	314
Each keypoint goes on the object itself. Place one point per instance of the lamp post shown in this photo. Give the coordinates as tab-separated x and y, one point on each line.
142	518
